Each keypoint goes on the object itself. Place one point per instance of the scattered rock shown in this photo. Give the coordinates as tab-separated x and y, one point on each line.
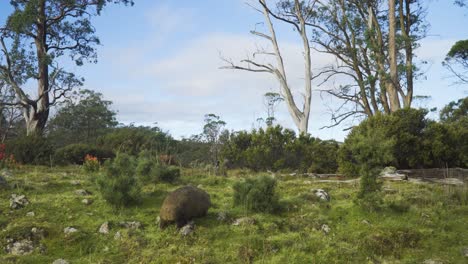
244	221
104	229
3	183
187	229
82	192
430	261
131	225
184	204
20	248
325	228
37	233
5	173
30	214
18	201
69	230
75	182
86	201
199	186
465	252
322	194
293	174
365	222
223	217
60	261
308	182
390	173
118	235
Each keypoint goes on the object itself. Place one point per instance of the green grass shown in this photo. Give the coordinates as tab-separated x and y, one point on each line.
416	223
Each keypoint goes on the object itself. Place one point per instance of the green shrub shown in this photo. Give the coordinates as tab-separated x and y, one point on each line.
34	150
118	184
76	153
165	173
149	169
257	194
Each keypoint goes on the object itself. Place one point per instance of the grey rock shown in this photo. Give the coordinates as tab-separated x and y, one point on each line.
321	194
131	225
75	182
69	230
5	173
104	229
20	248
60	261
465	252
365	222
82	192
30	214
187	229
430	261
243	221
223	216
325	228
118	235
37	233
18	201
87	201
3	183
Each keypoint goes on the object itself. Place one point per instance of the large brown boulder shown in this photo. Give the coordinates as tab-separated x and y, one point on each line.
184	204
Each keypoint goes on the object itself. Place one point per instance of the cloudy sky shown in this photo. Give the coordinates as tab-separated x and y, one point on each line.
159	63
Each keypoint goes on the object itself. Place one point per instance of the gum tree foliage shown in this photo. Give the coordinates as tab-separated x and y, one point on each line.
212	131
373	43
82	120
36	36
456	61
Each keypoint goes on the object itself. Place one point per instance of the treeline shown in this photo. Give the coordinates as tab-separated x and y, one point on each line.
405	139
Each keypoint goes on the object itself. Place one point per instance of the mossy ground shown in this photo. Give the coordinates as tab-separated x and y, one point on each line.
417	222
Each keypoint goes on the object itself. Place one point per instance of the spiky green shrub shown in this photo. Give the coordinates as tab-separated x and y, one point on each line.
257	194
118	184
165	173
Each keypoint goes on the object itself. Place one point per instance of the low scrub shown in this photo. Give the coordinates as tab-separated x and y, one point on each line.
257	194
118	184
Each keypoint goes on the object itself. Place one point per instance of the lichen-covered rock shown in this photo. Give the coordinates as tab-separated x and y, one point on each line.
322	194
82	192
131	225
183	205
187	229
18	201
69	230
60	261
20	248
326	229
243	221
104	228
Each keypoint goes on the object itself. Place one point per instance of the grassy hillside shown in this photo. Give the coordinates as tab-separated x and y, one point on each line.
417	222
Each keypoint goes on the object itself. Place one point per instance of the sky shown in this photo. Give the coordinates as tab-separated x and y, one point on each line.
159	62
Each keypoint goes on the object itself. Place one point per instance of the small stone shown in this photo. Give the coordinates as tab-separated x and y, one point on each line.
326	229
322	194
131	224
430	261
37	233
244	221
69	230
223	217
104	229
30	214
86	201
365	222
293	174
75	182
20	248
18	201
82	192
465	252
199	186
308	182
60	261
118	235
187	229
5	173
158	220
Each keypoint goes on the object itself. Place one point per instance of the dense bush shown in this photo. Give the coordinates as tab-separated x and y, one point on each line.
75	153
415	142
35	150
91	164
257	194
133	140
279	149
118	184
149	169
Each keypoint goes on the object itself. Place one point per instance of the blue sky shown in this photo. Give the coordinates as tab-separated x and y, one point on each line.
159	63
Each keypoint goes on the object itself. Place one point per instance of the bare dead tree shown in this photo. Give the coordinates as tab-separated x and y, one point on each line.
292	13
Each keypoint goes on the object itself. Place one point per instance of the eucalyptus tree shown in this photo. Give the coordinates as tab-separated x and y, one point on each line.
294	13
36	36
378	62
